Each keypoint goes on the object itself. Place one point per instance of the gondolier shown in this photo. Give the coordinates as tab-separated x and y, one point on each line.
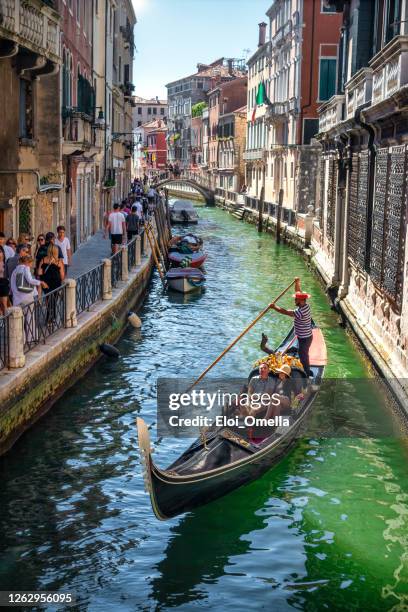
302	322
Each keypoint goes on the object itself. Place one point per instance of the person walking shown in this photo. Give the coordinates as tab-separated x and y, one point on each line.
63	242
12	262
4	282
117	228
302	322
132	223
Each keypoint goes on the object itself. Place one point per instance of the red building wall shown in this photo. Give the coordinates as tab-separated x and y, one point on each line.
157	149
77	32
321	36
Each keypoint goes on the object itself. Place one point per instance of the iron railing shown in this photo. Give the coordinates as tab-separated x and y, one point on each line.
142	242
116	269
43	317
89	288
132	253
4	342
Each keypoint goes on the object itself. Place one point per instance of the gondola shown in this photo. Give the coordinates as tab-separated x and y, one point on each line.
222	460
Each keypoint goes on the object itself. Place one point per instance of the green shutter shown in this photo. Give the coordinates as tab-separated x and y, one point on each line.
327	81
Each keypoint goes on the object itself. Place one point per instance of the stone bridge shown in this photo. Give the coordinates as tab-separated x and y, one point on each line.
192	179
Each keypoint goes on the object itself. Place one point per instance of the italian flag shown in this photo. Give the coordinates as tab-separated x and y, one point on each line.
261	98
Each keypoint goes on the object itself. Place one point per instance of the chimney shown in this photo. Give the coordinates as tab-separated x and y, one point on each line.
262	34
230	72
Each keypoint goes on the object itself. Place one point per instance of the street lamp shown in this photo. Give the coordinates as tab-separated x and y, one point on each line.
100	120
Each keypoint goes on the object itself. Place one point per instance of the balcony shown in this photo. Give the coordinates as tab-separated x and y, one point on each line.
277	112
331	113
80	135
31	24
358	91
254	154
281	34
390	69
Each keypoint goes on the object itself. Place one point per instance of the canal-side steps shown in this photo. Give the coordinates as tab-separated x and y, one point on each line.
239	212
89	311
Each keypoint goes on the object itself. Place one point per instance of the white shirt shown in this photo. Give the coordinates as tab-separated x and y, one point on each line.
139	211
20	297
151	193
116	219
65	246
8	251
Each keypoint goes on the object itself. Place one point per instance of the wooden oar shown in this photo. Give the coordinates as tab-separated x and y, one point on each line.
233	343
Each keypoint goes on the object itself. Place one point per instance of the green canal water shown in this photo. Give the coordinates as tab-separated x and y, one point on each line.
326	529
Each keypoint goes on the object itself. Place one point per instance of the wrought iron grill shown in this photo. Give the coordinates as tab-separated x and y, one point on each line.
116	269
394	227
379	209
4	342
43	317
331	199
132	253
89	289
321	189
357	213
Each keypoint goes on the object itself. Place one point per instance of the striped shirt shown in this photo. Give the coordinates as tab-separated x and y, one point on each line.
303	321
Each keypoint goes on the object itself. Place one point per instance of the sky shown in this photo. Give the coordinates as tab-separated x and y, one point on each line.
172	36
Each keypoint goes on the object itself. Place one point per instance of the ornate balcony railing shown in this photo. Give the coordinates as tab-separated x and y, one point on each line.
32	25
358	91
253	154
277	111
390	69
331	113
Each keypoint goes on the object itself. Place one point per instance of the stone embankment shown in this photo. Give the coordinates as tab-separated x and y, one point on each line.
91	309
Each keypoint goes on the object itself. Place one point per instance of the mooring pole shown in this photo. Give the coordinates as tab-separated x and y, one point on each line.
261	209
279	216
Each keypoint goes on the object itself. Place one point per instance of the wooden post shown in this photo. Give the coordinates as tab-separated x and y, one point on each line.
279	216
261	207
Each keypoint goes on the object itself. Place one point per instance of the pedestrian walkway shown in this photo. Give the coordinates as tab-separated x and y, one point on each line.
89	255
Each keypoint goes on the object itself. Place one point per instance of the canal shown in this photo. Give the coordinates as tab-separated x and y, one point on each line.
327	528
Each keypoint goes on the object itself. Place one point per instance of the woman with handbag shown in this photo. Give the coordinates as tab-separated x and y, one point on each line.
51	269
4	283
25	289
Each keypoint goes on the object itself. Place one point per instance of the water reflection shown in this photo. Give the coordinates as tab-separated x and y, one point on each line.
329	524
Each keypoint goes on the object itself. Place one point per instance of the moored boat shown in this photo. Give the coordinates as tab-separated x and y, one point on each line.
183	211
190	260
223	459
185	280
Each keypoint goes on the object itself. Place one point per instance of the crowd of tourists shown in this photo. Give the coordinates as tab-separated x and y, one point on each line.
124	221
30	268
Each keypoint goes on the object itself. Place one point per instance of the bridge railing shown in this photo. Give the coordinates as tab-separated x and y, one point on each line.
187	175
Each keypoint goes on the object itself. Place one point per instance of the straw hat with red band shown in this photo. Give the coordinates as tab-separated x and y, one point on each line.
299	295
